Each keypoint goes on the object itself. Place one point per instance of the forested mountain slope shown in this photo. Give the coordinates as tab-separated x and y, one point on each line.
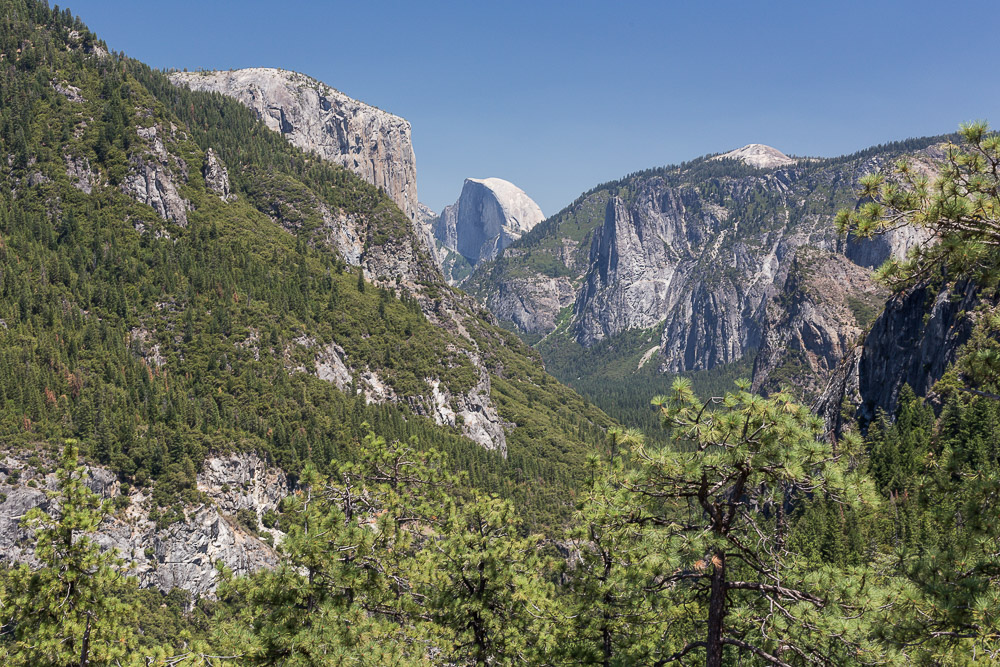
211	319
177	281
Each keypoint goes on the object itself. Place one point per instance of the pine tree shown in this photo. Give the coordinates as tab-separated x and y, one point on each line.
960	209
609	575
68	611
717	497
483	587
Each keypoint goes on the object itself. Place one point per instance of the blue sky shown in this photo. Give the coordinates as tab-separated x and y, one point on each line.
560	96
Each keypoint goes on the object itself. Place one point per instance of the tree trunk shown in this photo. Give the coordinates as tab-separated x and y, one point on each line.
85	653
606	615
716	611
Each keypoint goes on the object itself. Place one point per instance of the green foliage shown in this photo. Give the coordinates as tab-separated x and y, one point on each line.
610	374
718	496
958	210
154	343
863	309
484	587
385	564
68	611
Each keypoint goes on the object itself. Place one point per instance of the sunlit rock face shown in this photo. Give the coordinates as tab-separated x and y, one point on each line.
370	142
490	214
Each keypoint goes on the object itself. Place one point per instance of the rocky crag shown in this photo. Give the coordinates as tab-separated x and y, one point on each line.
239	491
370	142
913	342
814	319
490	214
699	254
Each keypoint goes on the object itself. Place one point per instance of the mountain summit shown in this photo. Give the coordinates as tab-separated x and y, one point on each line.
372	143
758	155
490	214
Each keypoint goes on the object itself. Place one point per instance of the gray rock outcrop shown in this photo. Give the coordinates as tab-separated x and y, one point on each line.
370	142
216	176
814	319
80	173
490	214
667	257
182	554
424	223
913	342
155	175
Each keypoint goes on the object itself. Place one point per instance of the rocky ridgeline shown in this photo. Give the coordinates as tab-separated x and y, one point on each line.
182	554
370	142
701	254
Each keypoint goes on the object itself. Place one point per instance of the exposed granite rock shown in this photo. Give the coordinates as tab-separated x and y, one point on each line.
424	222
473	412
143	344
370	142
815	318
184	553
330	366
80	173
37	178
446	227
490	214
872	253
153	178
912	342
532	304
666	257
758	155
153	184
71	93
216	176
374	389
481	422
243	481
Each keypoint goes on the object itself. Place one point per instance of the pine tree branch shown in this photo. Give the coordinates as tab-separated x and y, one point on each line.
680	654
790	593
760	653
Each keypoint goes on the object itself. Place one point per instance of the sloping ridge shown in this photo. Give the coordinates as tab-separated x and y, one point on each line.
372	143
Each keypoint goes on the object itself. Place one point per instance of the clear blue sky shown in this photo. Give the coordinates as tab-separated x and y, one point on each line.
559	96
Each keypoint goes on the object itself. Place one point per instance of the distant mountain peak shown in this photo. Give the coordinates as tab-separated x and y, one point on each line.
316	117
521	210
490	214
758	155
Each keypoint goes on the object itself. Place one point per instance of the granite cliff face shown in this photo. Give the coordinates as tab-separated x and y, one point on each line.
490	214
913	342
824	305
370	142
699	254
182	554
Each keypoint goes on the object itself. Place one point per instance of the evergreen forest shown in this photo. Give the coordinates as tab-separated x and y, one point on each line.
701	524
